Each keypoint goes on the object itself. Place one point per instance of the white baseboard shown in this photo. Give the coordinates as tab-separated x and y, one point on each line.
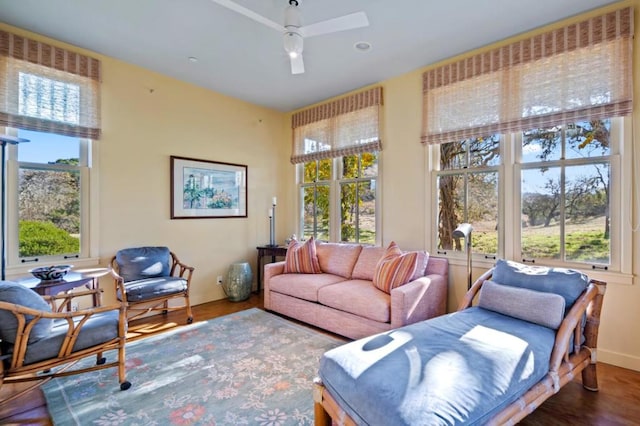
619	360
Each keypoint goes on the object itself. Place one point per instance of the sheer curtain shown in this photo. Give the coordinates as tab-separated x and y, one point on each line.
581	71
345	126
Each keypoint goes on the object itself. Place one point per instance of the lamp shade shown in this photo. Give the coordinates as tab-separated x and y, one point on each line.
463	230
293	43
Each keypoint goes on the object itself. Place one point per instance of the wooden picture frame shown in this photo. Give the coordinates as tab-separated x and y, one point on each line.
204	189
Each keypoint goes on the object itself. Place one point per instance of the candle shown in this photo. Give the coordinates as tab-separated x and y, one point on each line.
274	201
270	212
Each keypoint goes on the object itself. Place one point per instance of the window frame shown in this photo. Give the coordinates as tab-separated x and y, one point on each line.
89	213
335	184
509	175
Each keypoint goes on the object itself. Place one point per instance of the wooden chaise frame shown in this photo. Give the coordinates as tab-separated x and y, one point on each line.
161	303
563	366
42	371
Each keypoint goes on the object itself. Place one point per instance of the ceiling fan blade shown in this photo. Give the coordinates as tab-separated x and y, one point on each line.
343	23
297	65
249	14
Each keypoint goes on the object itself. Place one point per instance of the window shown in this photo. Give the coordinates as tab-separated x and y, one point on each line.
565	193
336	148
51	97
468	187
565	180
355	210
315	191
51	173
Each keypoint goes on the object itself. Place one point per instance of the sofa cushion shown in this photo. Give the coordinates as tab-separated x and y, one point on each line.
567	283
394	268
143	262
538	307
301	258
18	294
369	257
366	263
421	265
357	297
338	258
302	286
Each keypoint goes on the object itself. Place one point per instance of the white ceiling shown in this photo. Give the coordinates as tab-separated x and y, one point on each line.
244	59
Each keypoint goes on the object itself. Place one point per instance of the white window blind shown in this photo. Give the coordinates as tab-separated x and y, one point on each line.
48	89
579	72
346	126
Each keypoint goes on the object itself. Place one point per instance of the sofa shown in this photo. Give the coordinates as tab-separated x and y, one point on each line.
342	298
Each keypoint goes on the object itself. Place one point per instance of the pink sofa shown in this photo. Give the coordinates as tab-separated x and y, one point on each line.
343	298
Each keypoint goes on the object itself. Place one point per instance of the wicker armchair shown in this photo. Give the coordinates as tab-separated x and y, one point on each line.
38	336
147	278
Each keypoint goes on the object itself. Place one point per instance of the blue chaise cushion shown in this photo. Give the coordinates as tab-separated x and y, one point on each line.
460	368
567	283
143	262
18	294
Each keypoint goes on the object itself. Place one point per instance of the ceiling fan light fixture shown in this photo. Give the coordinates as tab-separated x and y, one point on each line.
293	43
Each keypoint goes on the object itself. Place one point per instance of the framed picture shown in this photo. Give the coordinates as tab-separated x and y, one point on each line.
207	189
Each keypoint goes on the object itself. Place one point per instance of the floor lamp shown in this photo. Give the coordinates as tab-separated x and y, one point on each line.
5	140
464	231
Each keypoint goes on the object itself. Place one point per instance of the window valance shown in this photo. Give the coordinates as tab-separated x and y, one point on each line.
48	89
578	72
345	126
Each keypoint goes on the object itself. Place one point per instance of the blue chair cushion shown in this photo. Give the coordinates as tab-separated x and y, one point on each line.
567	283
98	329
151	288
18	294
143	262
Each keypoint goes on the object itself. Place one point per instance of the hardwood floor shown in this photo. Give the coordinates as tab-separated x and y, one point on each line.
617	402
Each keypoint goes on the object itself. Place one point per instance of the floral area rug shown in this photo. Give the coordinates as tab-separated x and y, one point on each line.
247	368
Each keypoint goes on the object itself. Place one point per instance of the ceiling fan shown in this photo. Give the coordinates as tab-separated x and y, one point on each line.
293	31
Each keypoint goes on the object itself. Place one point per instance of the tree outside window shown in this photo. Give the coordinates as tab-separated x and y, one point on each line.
356	205
566	193
563	208
49	196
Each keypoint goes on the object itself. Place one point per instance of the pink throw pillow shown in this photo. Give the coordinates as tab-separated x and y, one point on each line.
302	258
394	268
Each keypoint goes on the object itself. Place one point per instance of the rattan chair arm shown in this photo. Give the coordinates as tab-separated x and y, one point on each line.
183	268
467	300
23	310
571	324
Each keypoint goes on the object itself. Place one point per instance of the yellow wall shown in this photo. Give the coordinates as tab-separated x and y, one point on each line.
147	117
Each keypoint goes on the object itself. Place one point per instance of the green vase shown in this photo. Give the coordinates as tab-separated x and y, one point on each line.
239	280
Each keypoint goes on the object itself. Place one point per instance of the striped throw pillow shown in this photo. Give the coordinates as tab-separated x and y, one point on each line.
394	268
302	258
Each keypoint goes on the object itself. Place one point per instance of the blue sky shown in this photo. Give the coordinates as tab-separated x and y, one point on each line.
46	147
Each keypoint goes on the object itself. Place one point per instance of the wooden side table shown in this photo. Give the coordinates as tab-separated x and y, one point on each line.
274	252
70	281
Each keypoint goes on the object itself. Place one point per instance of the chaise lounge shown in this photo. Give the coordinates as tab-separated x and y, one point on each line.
532	331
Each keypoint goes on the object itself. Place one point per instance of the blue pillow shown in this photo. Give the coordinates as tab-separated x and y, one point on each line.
18	294
568	283
143	262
